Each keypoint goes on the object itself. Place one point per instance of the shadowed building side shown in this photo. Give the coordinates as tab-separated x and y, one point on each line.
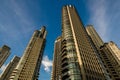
29	65
4	53
97	42
56	70
110	60
9	68
108	53
94	36
115	50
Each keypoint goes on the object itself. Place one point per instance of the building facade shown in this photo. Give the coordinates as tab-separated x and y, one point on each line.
29	65
115	50
94	36
4	53
56	68
9	68
97	43
108	53
79	60
110	60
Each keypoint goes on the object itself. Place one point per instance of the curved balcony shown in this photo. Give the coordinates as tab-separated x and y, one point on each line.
64	49
65	59
63	54
63	46
65	76
64	41
65	70
64	64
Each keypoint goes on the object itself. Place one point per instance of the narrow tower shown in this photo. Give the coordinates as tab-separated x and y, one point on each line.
28	67
4	53
9	68
56	69
94	36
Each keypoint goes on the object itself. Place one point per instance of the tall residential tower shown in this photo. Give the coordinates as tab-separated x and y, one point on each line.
28	67
108	53
79	59
56	70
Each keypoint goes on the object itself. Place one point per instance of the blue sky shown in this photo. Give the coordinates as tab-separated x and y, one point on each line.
19	19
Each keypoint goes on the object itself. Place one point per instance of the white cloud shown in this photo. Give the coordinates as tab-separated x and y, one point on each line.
47	63
2	68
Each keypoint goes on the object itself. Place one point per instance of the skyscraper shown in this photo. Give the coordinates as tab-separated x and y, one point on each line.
4	53
9	68
108	53
97	43
110	60
94	36
56	69
79	60
28	67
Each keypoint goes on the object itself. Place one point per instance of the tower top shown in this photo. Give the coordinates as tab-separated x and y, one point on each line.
43	28
69	6
5	46
58	38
